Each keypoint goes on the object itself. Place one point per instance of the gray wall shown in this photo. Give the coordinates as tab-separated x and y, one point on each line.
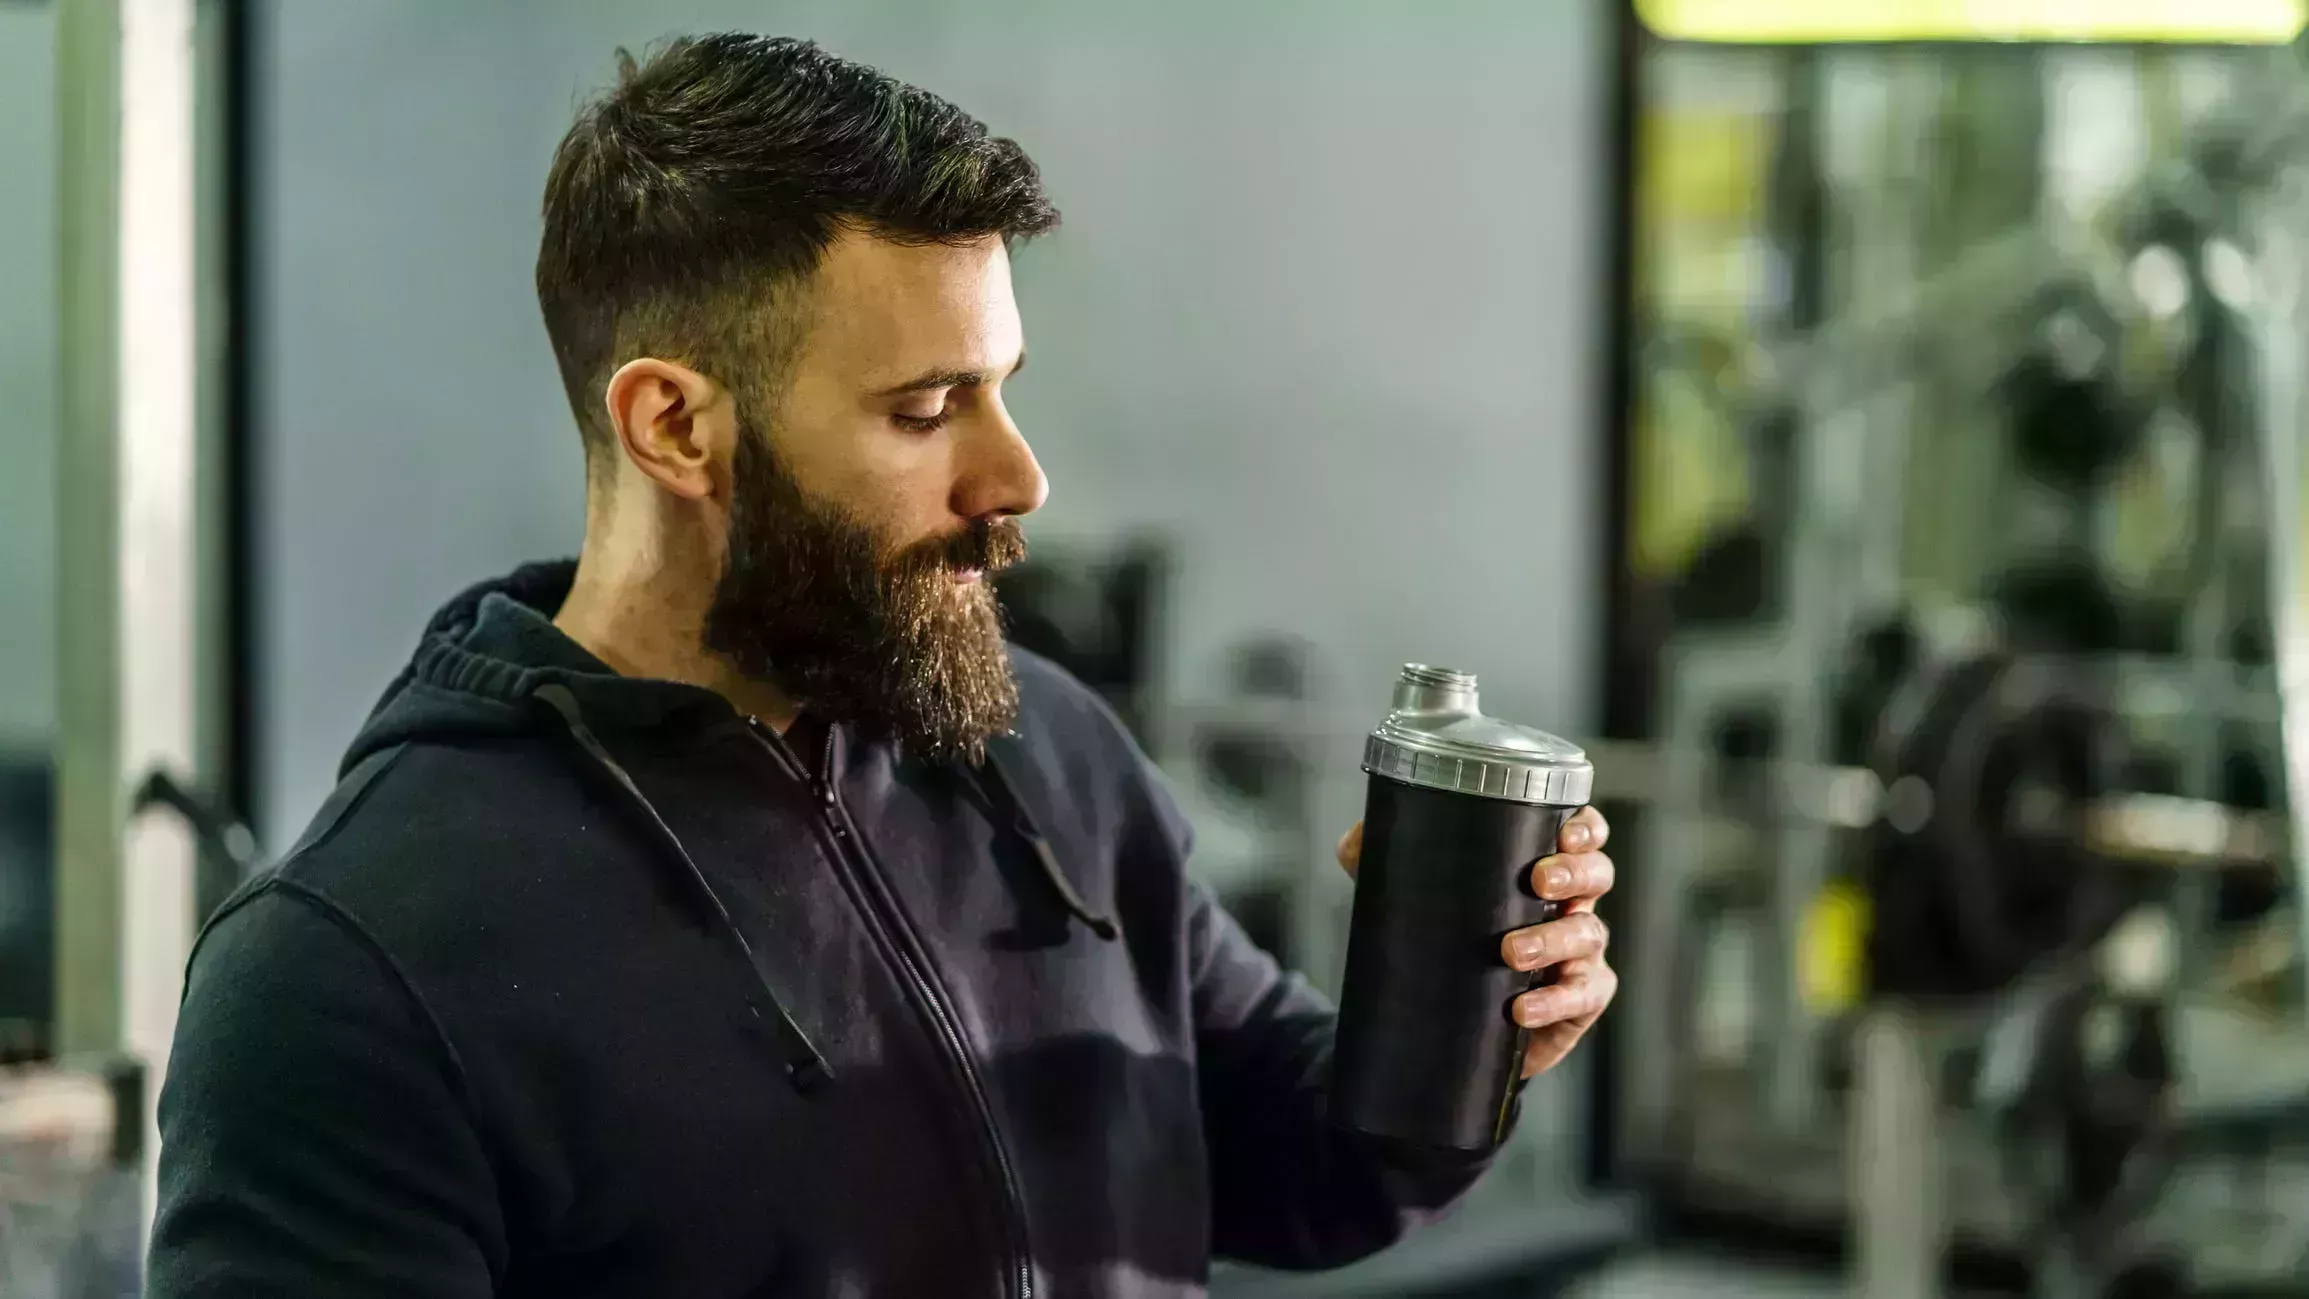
1322	310
28	398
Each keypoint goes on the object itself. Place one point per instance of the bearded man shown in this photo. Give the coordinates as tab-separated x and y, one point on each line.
730	912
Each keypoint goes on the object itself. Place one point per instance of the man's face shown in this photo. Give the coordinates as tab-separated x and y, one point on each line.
869	501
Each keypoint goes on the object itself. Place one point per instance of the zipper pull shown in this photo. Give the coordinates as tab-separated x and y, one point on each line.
826	789
820	783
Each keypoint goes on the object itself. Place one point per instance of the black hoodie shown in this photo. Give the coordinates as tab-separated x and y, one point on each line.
584	985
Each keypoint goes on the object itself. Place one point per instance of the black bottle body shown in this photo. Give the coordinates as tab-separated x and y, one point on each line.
1428	1052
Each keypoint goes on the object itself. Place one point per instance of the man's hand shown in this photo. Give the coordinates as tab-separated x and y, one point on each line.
1579	873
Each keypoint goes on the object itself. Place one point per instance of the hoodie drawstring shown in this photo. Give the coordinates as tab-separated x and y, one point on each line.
806	1069
1001	793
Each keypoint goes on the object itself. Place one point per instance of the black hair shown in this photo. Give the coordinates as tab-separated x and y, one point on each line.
687	207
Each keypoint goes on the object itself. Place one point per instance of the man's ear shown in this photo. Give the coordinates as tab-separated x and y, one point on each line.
675	425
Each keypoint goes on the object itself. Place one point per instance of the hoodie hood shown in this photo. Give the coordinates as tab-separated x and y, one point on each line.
492	663
487	652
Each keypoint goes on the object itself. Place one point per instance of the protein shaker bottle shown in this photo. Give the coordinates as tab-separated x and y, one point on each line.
1460	806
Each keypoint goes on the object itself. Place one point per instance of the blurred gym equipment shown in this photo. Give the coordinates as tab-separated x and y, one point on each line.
27	907
1094	615
71	1221
1966	908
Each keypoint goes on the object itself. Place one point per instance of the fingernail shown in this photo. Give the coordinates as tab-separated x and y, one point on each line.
1526	950
1530	1012
1558	879
1576	835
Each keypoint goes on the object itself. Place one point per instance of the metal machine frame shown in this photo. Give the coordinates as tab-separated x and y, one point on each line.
1832	568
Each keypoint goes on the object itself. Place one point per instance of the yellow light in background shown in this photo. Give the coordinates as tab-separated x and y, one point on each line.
1819	22
1832	952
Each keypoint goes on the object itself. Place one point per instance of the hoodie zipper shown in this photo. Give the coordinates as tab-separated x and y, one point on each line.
889	923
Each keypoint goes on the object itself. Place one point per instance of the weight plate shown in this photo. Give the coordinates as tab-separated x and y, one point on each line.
1990	875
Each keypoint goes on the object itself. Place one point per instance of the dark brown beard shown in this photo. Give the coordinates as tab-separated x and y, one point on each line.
815	602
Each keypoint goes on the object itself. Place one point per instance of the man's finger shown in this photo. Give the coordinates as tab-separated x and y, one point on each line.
1555	942
1586	831
1351	848
1576	999
1572	875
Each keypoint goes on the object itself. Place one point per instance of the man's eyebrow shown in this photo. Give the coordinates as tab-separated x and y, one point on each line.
936	379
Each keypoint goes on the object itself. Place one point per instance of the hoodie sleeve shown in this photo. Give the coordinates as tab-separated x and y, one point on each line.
1288	1189
313	1137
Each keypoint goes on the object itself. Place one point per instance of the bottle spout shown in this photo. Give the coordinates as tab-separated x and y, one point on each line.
1424	689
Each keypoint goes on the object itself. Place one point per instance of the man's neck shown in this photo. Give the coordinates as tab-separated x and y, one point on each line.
649	621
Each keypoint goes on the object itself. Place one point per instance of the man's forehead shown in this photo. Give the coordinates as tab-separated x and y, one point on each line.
857	257
900	307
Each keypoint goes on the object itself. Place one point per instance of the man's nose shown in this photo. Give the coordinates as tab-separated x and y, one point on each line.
1000	475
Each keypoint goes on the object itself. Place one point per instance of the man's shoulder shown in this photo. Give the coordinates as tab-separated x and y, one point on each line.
1055	708
420	832
1089	771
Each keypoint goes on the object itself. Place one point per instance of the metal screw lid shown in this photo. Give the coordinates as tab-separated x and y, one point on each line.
1437	738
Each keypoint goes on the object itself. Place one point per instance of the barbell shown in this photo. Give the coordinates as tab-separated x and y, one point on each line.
2153	830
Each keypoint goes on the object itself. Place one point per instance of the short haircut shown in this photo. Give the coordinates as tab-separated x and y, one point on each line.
688	207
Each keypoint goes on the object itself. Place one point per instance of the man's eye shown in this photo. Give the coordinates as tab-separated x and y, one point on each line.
922	423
